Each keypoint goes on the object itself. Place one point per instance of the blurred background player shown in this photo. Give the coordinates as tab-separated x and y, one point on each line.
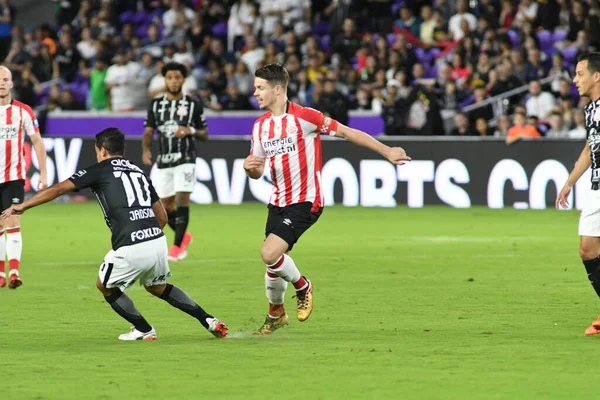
16	121
288	136
587	80
135	216
179	119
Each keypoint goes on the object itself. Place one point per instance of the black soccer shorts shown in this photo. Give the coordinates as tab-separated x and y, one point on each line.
290	222
12	192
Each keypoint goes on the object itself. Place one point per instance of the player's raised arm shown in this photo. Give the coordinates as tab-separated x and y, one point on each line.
42	197
396	155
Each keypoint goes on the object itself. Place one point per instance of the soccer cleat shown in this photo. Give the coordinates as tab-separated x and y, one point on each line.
304	299
217	328
13	280
187	239
2	280
594	329
271	325
174	253
134	334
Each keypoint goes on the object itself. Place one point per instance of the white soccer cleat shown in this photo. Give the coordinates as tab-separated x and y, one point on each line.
217	328
134	334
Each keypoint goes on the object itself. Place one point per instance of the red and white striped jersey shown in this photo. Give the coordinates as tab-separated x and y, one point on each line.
16	121
292	145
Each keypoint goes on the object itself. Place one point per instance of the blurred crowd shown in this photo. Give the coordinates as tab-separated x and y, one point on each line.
405	60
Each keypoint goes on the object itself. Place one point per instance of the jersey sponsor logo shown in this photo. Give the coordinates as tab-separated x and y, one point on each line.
9	132
122	162
144	213
80	173
594	139
168	128
147	233
16	200
280	146
169	158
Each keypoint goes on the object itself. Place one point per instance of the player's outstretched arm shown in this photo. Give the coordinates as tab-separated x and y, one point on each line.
161	214
254	166
42	197
40	152
583	163
396	155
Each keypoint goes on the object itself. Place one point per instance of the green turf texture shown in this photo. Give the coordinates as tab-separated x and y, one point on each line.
433	303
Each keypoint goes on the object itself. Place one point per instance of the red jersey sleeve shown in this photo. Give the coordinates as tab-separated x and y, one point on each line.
324	125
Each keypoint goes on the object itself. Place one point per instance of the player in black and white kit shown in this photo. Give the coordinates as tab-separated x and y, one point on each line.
179	120
587	79
135	216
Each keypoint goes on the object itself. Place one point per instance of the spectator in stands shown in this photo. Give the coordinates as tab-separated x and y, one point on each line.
539	103
408	21
152	43
67	59
520	129
536	70
208	98
503	126
337	11
169	18
505	82
526	12
519	65
119	82
333	103
183	55
462	13
98	96
347	42
558	70
462	126
28	88
450	96
485	112
484	71
427	28
362	101
68	101
233	100
566	109
506	15
240	15
579	131
18	59
488	12
271	12
558	127
86	46
482	127
253	53
576	21
7	19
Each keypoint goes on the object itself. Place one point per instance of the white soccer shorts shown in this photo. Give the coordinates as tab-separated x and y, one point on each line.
589	221
146	262
168	181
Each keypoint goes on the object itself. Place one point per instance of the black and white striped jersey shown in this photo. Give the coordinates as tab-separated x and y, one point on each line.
166	116
592	126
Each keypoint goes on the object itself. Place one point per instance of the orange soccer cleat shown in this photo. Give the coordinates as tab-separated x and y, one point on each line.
174	253
594	329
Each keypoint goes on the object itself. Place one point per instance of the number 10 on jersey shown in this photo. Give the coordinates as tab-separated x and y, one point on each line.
136	191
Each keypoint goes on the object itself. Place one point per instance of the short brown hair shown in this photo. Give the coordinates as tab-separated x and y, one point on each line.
275	74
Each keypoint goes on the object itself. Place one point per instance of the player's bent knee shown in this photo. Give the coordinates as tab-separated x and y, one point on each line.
269	256
103	289
156	290
588	252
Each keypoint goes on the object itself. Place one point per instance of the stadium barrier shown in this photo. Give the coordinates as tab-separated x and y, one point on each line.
458	172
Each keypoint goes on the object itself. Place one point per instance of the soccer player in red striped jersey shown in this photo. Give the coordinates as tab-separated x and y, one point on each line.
288	137
16	121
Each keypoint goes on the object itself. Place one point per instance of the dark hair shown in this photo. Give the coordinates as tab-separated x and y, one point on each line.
275	74
174	66
113	140
593	59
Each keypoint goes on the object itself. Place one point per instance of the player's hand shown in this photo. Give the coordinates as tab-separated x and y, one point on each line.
252	162
397	155
562	199
147	158
182	132
15	209
42	183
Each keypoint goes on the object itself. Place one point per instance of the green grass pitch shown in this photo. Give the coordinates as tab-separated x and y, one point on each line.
433	303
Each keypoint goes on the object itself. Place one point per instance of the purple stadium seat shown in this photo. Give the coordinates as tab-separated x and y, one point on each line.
139	18
322	28
569	54
432	72
142	31
545	38
559	35
254	103
220	29
466	102
126	17
421	54
514	37
396	6
391	38
325	43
